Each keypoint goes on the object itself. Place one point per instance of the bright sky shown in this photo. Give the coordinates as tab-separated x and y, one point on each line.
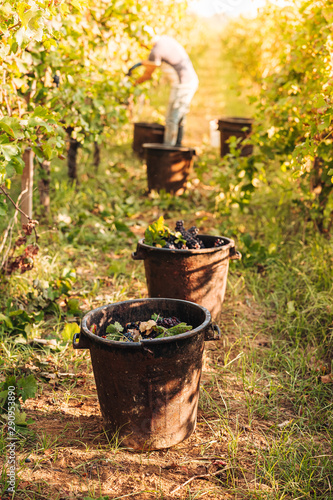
208	8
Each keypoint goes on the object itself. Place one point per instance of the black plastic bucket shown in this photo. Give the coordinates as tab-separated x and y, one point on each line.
168	167
148	391
199	276
146	132
237	127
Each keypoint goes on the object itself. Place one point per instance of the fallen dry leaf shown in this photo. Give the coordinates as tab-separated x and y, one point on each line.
284	424
327	379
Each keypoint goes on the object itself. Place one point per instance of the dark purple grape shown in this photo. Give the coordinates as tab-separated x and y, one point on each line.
134	325
180	227
56	80
171	246
192	241
168	322
219	243
193	231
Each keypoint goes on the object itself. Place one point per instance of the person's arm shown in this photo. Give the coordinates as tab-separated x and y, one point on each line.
149	69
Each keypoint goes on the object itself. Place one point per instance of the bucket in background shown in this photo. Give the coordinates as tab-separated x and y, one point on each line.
148	391
237	127
168	167
146	132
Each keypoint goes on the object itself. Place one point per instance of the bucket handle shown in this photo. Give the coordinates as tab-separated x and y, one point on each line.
79	341
213	332
139	254
234	254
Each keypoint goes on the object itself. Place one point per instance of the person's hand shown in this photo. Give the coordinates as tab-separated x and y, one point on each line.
130	71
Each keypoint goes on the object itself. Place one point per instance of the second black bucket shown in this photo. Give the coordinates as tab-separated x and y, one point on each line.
199	276
146	132
148	391
237	127
168	167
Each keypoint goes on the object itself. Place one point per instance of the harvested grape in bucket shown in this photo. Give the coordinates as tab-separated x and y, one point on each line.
135	331
160	235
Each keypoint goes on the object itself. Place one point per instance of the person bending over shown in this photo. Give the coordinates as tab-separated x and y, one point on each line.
185	83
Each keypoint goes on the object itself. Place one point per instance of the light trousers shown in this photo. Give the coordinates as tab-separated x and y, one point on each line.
179	105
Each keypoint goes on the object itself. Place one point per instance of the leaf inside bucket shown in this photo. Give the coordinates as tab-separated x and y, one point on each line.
156	327
157	233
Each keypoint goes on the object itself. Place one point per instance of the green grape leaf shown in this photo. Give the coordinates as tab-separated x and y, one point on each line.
4	318
21	418
114	328
9	150
157	233
69	330
178	329
319	101
27	387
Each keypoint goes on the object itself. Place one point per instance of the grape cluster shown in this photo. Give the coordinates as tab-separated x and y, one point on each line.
132	326
189	238
129	329
168	322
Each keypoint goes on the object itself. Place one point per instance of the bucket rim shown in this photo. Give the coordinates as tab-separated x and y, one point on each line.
166	147
230	244
235	119
150	125
147	342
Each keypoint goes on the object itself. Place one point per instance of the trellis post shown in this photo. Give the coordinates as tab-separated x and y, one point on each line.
27	185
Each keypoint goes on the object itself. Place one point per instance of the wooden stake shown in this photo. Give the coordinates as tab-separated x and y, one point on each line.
44	185
27	185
